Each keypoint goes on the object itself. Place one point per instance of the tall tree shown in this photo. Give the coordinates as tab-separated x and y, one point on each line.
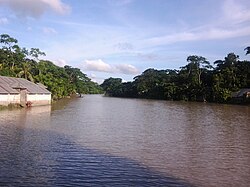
197	65
9	47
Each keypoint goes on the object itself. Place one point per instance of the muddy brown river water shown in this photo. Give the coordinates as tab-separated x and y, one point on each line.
102	141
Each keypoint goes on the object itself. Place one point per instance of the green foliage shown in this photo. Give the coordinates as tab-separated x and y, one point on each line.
196	81
112	86
61	81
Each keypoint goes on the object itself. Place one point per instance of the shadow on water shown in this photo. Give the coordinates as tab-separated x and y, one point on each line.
33	157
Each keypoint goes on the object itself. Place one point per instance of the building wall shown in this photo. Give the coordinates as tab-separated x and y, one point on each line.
35	99
6	99
39	99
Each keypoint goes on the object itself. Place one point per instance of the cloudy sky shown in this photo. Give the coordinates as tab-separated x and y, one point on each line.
122	38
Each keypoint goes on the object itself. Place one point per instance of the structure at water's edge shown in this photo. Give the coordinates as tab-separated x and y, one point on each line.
23	92
241	96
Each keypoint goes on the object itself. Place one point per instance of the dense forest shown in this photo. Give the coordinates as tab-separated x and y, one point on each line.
196	81
16	61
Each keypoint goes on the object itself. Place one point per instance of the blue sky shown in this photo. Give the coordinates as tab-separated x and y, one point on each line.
122	38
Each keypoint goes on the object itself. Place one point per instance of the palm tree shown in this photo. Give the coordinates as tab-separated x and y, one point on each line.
247	49
25	72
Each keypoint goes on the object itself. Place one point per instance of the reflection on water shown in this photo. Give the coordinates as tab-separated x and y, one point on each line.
102	141
62	103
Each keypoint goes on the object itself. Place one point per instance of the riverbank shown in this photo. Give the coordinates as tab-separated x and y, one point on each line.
243	102
10	106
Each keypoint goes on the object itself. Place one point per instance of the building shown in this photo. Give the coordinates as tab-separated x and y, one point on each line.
23	92
242	96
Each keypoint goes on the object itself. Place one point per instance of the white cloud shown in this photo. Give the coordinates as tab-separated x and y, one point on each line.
49	30
92	75
205	34
100	66
3	21
97	65
235	12
225	33
127	69
95	78
57	6
35	8
60	62
233	21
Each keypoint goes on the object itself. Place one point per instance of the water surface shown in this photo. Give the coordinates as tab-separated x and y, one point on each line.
101	141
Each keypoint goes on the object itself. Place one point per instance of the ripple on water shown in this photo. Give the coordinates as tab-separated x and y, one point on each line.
100	141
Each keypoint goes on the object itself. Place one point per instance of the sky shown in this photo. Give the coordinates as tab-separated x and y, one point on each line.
123	38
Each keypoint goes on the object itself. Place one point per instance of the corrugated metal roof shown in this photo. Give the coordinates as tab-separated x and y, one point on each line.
8	85
18	86
6	88
2	90
241	92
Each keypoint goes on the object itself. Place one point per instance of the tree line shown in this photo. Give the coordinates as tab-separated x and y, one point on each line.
196	81
16	61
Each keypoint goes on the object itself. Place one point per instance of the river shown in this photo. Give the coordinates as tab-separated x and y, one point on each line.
103	141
